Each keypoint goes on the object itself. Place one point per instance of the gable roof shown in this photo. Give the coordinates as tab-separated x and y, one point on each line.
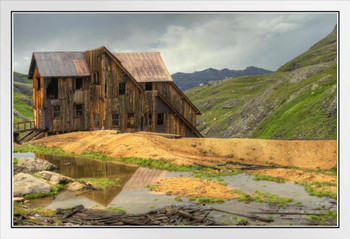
149	67
59	64
145	66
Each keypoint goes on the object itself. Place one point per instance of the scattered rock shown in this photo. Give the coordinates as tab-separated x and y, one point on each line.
19	115
232	103
332	109
25	184
55	178
31	165
208	103
18	199
26	100
193	145
75	186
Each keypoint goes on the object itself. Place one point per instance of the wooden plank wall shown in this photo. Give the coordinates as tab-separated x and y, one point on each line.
172	123
105	99
178	102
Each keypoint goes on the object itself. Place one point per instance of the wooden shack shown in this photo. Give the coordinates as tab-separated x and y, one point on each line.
96	89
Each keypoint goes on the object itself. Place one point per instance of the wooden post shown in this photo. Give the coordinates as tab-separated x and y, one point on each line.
154	111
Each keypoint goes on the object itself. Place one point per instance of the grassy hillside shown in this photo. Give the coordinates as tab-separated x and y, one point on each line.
22	98
299	101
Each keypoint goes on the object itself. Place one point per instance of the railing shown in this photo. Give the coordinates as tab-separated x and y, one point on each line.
23	126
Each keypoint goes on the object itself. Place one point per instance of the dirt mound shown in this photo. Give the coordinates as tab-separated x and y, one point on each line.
308	154
194	187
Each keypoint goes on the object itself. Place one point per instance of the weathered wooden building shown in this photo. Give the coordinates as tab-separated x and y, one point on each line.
97	89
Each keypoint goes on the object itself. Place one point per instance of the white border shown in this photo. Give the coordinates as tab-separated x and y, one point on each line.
5	143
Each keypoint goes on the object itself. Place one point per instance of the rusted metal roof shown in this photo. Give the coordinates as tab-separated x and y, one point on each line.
145	66
61	64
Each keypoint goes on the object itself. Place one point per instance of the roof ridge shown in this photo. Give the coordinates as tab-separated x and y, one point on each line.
138	52
57	51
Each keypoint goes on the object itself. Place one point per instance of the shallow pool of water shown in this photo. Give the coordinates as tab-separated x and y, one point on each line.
133	196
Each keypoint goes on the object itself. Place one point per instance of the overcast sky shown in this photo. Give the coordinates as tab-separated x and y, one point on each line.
187	42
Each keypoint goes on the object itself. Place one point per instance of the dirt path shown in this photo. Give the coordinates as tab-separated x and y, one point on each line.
308	154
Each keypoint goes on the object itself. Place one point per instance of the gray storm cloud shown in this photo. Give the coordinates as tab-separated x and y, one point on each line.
187	42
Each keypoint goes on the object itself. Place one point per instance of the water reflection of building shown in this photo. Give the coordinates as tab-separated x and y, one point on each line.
131	177
138	179
143	177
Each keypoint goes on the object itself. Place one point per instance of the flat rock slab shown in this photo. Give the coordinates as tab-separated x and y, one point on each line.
31	165
75	186
26	184
55	178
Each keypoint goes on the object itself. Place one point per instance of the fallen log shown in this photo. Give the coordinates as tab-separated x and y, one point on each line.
288	213
254	217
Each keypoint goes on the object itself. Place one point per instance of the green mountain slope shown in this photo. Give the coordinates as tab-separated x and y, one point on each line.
22	98
299	101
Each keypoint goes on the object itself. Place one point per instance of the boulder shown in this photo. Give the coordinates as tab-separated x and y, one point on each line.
231	103
31	165
55	178
25	184
75	186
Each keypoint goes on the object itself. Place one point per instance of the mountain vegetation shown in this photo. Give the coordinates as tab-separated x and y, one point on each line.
298	101
22	98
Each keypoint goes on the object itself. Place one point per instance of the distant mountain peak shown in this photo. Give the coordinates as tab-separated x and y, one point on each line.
187	81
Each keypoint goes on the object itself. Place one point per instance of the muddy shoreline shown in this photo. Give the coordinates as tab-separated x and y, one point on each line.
231	191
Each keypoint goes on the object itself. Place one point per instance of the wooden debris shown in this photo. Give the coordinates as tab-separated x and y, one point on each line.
169	215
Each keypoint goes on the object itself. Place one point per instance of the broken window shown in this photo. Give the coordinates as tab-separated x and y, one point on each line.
78	110
160	118
121	88
79	83
115	119
148	86
52	89
131	119
56	111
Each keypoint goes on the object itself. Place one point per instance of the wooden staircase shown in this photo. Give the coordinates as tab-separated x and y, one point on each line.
32	135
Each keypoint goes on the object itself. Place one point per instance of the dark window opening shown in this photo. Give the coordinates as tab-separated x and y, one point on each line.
96	120
78	110
160	119
52	89
148	86
78	83
56	111
97	78
38	83
105	89
115	119
131	120
121	88
150	118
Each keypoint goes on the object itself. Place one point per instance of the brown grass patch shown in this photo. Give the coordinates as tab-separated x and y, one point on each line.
194	187
308	154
